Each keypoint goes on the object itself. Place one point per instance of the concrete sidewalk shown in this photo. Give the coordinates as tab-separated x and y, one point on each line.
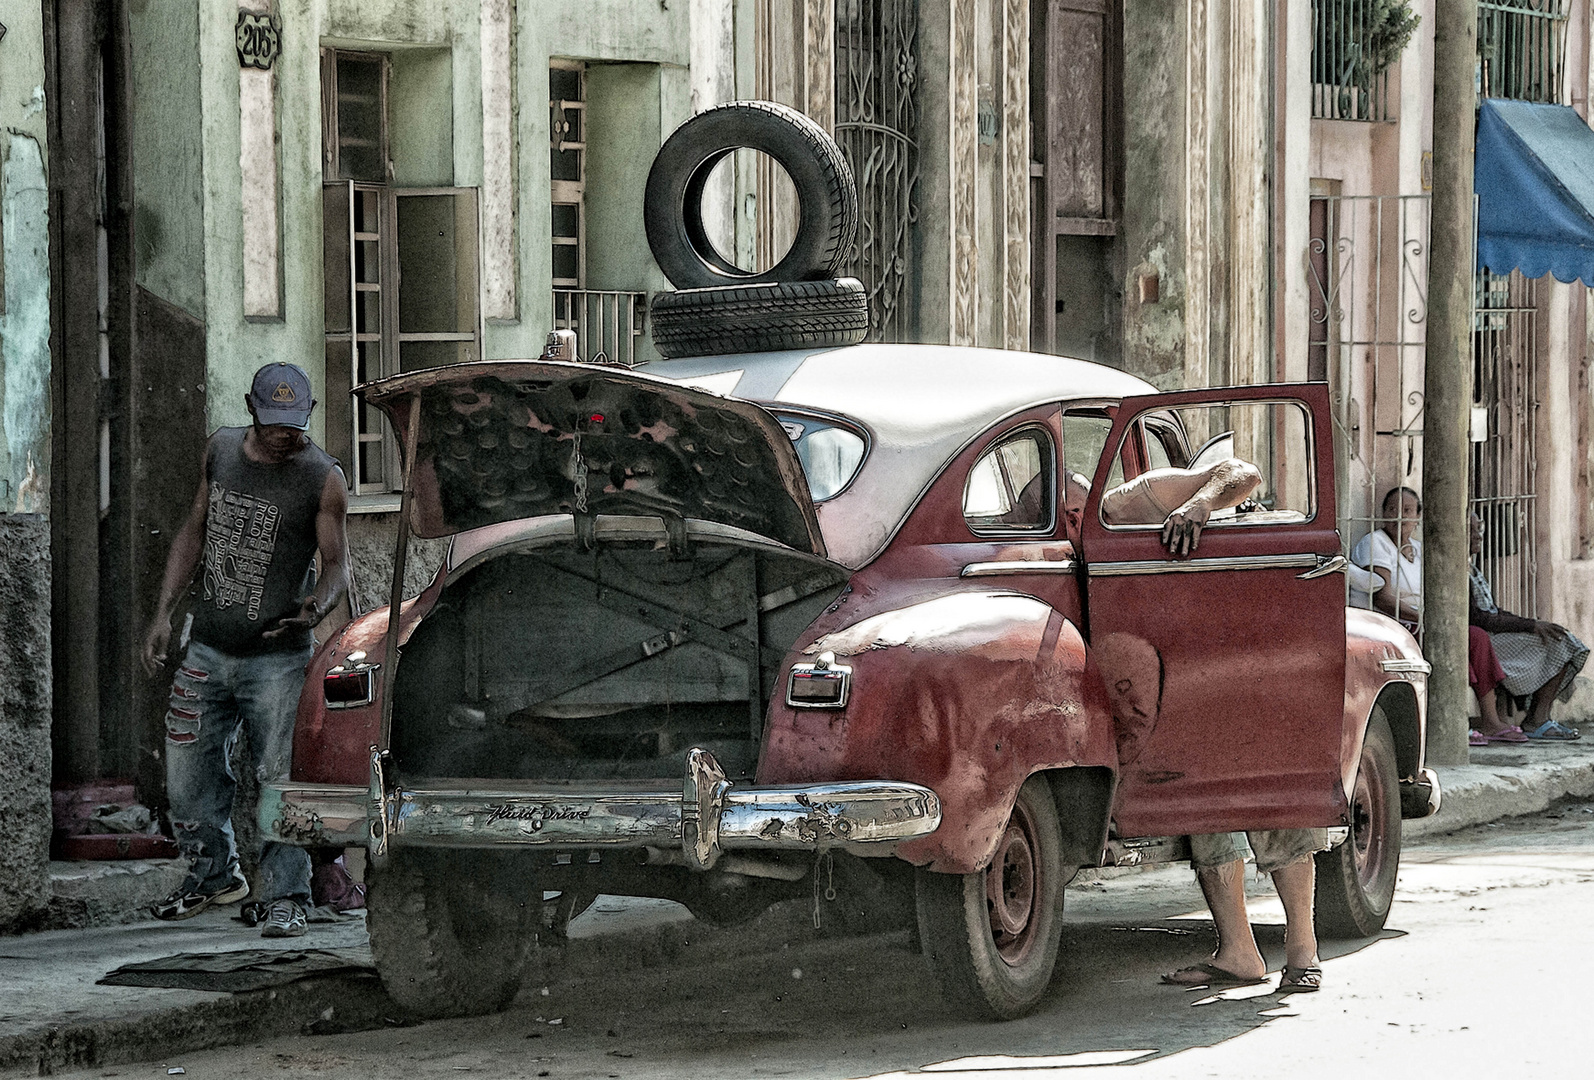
53	1015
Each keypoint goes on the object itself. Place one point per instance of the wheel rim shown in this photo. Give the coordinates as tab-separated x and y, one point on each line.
1369	819
1012	888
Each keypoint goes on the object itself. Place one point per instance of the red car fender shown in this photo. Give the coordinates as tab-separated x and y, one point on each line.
1370	639
333	746
966	692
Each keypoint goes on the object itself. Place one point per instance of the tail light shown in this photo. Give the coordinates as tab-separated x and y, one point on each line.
350	684
823	684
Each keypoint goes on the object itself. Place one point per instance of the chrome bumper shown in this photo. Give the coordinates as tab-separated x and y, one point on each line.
707	815
1420	797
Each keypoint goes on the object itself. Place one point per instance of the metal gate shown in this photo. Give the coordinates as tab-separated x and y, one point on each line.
1504	430
1368	321
1368	315
877	118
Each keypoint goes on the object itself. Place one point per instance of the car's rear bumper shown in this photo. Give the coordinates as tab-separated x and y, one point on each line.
1420	797
706	815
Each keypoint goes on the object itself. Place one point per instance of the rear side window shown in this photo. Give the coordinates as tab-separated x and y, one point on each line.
1012	487
830	452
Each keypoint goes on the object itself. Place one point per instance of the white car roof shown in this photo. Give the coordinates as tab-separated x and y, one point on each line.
920	403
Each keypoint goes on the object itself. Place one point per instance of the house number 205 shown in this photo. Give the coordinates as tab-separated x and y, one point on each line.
258	40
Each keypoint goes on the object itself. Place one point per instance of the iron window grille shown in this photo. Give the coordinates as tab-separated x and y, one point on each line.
374	237
1522	49
567	171
1354	44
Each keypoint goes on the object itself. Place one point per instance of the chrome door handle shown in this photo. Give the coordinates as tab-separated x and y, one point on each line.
1325	565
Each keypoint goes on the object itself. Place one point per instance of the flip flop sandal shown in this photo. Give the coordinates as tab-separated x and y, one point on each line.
1301	980
1476	738
1512	734
1553	731
1208	975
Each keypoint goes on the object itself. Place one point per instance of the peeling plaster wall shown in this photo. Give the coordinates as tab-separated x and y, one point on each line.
25	329
168	153
25	701
25	672
1153	209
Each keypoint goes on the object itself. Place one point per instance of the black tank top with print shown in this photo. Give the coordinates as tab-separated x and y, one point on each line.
259	544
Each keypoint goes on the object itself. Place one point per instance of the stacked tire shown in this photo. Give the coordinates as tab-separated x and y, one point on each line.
718	307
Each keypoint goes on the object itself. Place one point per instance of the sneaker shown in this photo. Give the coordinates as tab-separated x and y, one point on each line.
285	918
187	901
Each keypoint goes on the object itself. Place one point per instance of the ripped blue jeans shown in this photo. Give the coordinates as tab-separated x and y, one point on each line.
215	697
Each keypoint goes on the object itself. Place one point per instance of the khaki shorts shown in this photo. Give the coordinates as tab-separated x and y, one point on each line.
1274	848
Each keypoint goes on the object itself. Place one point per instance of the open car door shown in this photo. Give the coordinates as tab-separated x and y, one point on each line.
1225	668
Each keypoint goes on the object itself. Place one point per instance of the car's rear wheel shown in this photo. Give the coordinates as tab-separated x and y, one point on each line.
992	936
451	931
1356	880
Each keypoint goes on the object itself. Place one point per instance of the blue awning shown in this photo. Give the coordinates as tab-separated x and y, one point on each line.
1534	176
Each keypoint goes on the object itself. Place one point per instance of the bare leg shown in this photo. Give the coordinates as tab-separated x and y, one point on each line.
1295	883
1224	888
1489	721
1544	697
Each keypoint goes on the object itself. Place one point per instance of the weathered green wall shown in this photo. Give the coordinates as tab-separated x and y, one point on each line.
24	268
637	106
1153	210
25	672
168	152
421	89
187	153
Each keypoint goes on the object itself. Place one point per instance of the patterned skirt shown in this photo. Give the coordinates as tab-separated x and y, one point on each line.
1530	662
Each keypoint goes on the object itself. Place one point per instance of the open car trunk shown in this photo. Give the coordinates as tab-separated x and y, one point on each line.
557	662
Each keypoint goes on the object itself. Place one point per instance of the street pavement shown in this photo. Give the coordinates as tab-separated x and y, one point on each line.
1485	950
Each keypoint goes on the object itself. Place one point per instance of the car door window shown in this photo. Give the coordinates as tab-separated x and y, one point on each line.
1274	436
1084	438
1012	487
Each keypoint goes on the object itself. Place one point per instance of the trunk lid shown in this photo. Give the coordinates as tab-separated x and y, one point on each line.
503	440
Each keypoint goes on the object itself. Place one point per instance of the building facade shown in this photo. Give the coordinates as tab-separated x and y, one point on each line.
1201	193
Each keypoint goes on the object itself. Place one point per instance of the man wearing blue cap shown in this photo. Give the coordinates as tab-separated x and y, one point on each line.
269	499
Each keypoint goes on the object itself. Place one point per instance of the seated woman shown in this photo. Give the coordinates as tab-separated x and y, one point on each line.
1539	658
1392	553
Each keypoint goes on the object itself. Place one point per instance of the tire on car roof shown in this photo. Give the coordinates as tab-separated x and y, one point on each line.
765	317
827	198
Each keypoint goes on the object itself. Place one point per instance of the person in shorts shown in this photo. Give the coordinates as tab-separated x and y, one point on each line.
1184	501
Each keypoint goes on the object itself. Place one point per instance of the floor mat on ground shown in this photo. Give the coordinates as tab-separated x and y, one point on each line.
246	969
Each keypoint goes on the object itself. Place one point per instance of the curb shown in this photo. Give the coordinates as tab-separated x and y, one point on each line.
336	1004
352	1003
1507	782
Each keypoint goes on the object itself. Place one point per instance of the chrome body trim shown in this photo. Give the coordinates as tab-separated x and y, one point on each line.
1195	566
1325	566
706	815
1405	666
1019	566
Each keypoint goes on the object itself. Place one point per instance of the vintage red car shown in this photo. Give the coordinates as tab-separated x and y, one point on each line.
713	627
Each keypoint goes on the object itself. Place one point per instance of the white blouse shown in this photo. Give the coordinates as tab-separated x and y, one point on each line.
1376	549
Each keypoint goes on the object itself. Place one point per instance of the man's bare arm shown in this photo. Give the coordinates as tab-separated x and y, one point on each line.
181	562
1222	485
332	541
1192	493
